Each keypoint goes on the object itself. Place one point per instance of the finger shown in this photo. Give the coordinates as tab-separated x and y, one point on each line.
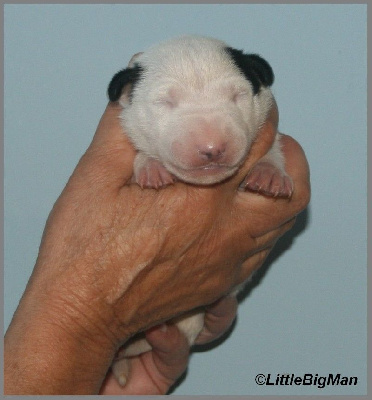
298	168
155	371
265	136
219	316
263	246
170	353
252	264
266	213
261	145
274	234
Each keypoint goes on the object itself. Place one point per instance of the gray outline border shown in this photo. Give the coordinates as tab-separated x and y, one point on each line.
369	165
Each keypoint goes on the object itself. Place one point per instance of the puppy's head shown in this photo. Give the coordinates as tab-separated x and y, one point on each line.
195	104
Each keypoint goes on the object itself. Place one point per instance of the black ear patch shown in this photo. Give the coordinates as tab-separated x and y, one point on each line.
121	79
255	68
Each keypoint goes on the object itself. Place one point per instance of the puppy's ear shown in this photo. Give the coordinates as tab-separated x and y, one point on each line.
133	60
121	79
257	70
129	75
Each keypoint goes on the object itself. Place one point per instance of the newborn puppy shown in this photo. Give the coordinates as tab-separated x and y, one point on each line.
192	107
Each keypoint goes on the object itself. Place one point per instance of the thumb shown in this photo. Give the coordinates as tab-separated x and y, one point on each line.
266	134
109	158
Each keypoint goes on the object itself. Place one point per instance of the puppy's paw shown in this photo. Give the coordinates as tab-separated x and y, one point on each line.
267	179
151	173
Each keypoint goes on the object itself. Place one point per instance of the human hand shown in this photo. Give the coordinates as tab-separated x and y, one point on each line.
169	238
109	249
156	371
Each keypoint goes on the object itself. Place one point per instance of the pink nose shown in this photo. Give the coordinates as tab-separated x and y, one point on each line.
213	152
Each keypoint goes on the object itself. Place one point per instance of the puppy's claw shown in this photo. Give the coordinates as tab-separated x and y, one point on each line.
152	174
267	179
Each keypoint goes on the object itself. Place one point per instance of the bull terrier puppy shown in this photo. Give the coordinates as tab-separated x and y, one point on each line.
192	107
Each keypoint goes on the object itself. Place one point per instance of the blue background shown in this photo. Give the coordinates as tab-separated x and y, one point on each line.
306	312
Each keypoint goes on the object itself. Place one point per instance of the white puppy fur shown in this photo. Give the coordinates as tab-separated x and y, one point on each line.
192	107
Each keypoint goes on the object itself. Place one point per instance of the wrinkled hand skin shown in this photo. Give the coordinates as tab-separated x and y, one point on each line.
109	248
